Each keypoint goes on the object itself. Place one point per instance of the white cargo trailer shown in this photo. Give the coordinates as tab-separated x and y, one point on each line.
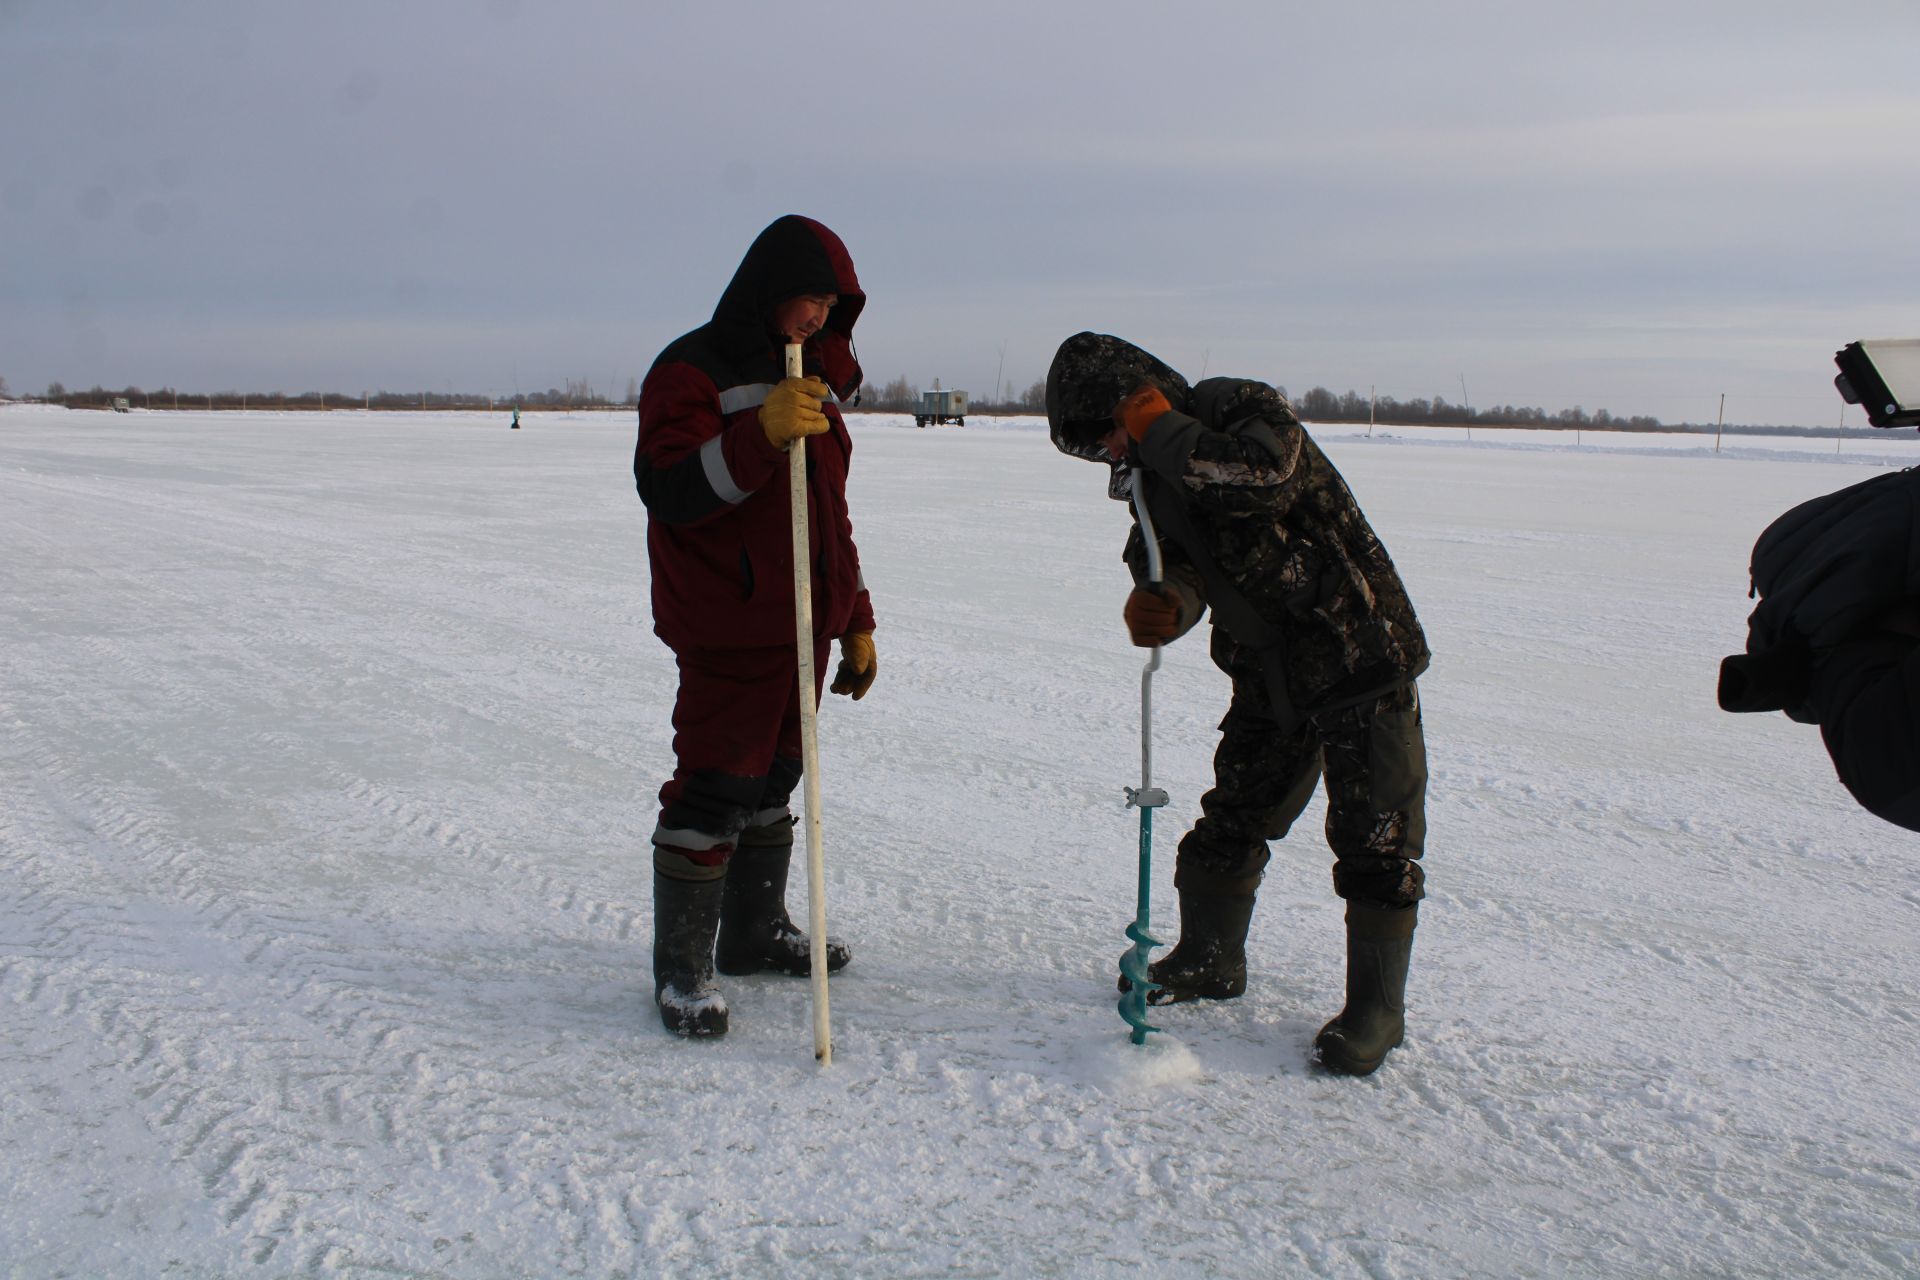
938	407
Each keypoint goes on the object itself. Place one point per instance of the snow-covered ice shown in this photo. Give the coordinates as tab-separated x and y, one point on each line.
328	747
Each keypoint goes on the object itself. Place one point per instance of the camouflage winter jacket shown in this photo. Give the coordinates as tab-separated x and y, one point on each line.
1241	495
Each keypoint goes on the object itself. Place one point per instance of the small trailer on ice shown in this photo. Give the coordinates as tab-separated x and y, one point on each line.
938	407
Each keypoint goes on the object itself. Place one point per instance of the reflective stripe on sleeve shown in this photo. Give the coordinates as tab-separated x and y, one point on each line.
749	395
714	463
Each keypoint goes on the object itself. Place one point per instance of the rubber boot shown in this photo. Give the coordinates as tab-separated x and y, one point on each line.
685	914
1379	947
1210	961
755	931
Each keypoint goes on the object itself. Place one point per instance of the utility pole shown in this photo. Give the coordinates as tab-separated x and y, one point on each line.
1719	422
1467	405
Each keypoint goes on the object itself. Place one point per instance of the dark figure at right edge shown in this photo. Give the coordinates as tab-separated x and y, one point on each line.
1315	629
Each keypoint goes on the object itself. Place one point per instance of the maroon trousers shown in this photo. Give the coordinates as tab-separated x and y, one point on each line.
736	746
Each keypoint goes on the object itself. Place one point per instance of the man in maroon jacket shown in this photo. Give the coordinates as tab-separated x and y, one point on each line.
717	416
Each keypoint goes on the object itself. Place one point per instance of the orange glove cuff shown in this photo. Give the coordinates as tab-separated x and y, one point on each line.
1138	411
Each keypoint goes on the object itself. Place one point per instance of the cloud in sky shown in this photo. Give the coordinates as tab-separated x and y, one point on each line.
1621	205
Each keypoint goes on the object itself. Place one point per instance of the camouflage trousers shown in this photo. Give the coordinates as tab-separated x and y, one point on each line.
1374	758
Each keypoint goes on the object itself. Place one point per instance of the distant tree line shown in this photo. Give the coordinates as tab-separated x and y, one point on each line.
897	396
1317	405
577	394
1322	405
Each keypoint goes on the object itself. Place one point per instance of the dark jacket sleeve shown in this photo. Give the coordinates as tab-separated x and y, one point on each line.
1251	462
1866	695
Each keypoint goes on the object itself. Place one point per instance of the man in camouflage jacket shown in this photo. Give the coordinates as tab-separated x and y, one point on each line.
1315	629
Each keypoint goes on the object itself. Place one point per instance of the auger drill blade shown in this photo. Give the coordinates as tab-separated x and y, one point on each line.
1133	967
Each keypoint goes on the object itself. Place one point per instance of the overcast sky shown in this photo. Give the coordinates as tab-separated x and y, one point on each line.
1629	206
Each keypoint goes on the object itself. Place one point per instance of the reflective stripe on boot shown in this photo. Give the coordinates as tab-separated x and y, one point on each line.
1379	949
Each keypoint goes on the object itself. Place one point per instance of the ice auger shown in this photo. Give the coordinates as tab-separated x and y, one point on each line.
1146	797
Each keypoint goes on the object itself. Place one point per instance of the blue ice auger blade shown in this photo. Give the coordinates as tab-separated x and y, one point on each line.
1133	962
1133	967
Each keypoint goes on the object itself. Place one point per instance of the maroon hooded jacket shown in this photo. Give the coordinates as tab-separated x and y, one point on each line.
719	523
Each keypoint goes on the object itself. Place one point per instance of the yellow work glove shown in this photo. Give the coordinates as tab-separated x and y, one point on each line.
858	665
792	410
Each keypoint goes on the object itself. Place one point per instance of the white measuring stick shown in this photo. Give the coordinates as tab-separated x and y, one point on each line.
809	729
